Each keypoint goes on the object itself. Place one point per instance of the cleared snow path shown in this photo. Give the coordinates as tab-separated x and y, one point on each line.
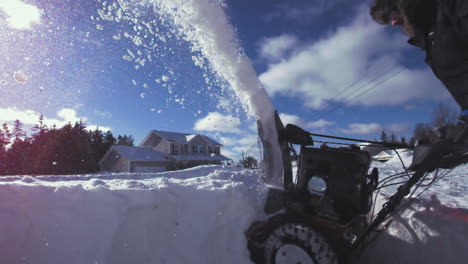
197	215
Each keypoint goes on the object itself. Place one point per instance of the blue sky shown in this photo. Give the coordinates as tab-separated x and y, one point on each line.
325	64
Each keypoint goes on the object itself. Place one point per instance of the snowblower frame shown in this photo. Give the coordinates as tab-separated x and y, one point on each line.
321	214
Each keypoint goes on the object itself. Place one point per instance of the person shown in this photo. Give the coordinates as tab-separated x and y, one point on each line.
440	28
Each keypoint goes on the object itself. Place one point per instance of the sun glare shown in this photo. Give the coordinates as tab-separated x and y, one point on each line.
19	14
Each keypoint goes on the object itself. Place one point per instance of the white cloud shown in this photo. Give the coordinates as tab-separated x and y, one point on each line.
249	140
398	128
359	51
102	128
20	15
301	11
275	48
363	129
30	117
234	146
11	114
319	124
70	115
374	128
227	141
215	121
298	121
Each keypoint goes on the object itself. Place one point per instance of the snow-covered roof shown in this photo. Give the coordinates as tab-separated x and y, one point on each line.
173	136
189	137
200	157
140	153
184	138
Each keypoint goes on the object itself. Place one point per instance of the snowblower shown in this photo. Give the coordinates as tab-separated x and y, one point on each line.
322	214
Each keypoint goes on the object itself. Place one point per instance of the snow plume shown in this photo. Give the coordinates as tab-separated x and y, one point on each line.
217	122
204	24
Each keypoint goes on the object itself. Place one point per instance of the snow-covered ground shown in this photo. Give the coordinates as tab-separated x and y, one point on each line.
197	215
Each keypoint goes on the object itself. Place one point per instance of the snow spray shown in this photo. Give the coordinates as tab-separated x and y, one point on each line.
204	24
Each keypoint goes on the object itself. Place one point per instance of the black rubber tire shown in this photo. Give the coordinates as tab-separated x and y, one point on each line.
271	238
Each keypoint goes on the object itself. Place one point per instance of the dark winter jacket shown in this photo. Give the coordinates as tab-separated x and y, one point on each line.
445	41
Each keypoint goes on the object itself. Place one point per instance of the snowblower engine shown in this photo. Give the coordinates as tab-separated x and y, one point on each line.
336	181
321	208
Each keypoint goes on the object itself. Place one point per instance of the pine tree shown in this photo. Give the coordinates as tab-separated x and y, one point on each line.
125	140
6	132
40	128
249	162
403	141
384	137
18	132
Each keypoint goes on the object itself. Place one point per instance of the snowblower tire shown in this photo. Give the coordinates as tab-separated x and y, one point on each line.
291	244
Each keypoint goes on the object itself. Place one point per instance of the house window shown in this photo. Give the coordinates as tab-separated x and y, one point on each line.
177	149
199	149
213	149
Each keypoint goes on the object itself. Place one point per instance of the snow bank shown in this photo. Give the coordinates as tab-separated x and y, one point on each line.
197	215
193	216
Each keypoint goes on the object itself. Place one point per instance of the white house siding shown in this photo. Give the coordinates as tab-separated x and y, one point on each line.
114	162
152	140
148	164
121	166
164	146
200	142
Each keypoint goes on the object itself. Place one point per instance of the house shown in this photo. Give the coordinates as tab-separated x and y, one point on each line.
163	150
383	156
135	159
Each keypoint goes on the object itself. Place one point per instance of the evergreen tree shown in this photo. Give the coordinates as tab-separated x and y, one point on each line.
40	128
125	140
6	132
249	162
424	133
3	144
383	137
18	132
97	144
18	157
403	141
109	140
3	140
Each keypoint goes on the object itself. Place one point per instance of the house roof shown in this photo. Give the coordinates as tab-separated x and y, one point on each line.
140	153
184	138
210	140
173	136
200	157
